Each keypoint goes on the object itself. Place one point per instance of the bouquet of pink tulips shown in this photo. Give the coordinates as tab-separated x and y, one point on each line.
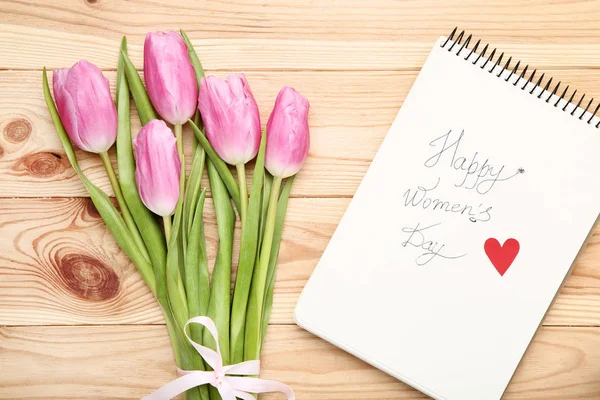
159	220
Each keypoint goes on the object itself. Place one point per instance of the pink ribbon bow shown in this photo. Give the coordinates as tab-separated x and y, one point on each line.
229	387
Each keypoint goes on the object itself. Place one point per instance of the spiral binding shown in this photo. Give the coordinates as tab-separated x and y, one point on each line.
463	46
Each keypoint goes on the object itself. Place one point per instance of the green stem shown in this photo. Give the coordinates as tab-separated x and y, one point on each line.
179	136
114	182
241	171
197	281
220	295
257	294
219	164
282	204
194	188
168	226
248	250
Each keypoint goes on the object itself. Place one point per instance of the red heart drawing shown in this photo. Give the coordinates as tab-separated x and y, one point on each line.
501	256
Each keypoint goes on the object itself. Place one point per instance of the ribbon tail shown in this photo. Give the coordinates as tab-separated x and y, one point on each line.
180	385
257	385
226	392
243	395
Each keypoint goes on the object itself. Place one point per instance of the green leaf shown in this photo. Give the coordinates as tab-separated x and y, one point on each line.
219	165
138	91
253	331
194	187
197	283
178	130
248	250
123	207
121	71
195	145
193	58
175	265
220	294
265	205
199	71
279	219
103	204
150	229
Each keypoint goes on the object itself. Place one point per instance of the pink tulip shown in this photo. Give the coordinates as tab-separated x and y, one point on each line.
231	117
169	76
157	167
85	106
288	137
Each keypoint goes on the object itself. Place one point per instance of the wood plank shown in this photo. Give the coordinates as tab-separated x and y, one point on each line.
345	108
350	115
123	362
59	265
297	35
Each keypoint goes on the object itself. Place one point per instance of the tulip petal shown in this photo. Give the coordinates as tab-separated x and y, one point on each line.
231	117
158	167
170	76
288	136
86	107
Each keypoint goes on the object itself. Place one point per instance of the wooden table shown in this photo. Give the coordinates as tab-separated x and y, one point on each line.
76	322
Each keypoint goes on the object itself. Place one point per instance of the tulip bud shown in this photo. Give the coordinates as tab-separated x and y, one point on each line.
157	167
170	78
288	137
85	106
230	115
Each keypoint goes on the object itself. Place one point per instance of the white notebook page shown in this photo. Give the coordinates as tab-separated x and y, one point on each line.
406	283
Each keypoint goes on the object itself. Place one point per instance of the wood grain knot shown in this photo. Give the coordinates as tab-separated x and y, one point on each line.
87	278
91	1
91	209
17	131
43	164
1	151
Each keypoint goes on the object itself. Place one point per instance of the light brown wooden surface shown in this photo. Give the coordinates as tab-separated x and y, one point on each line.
88	362
76	322
45	280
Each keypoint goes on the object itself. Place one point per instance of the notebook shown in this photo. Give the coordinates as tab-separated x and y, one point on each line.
465	226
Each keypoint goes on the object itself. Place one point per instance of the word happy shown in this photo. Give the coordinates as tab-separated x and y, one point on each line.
476	174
